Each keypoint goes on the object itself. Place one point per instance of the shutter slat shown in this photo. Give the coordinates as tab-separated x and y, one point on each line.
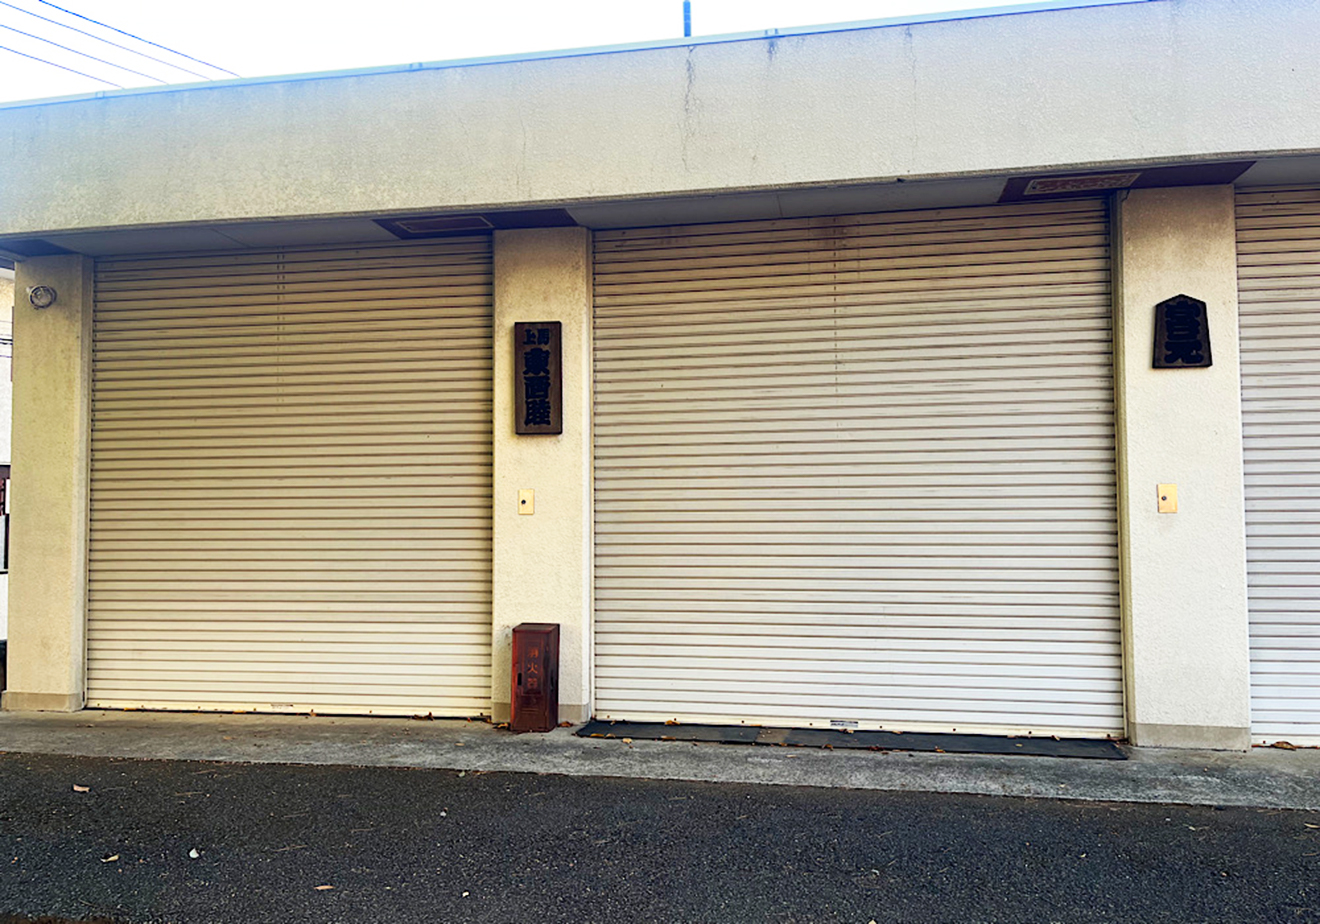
1278	237
291	481
859	469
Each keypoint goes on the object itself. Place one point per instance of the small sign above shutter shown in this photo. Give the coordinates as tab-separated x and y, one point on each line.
1182	334
538	383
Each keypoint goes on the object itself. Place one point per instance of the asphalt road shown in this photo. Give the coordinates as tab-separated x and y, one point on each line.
440	846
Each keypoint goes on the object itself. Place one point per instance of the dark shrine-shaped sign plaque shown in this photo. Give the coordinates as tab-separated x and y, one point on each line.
1182	334
538	385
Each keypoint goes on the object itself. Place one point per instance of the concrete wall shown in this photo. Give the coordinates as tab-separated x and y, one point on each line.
542	562
1184	573
48	532
1160	81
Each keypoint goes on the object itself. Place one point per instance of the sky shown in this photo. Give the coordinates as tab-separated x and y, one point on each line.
257	38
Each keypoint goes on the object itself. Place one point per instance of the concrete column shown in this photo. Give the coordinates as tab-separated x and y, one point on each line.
1184	574
48	532
543	562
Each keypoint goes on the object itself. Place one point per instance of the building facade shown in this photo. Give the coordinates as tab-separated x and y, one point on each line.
861	417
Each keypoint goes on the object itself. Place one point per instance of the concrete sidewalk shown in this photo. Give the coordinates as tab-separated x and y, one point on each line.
1261	777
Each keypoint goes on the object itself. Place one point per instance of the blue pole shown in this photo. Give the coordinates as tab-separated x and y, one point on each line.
687	18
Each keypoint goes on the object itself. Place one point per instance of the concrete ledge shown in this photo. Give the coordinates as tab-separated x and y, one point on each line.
1262	777
16	701
576	713
1207	737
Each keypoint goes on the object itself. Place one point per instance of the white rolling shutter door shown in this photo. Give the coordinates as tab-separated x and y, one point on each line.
859	470
1279	303
291	481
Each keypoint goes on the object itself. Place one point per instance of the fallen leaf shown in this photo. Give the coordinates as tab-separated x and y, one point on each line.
324	888
627	741
110	859
1284	745
671	721
565	724
1309	825
77	788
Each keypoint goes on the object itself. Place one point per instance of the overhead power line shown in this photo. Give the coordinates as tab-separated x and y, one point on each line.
137	37
60	66
100	38
81	53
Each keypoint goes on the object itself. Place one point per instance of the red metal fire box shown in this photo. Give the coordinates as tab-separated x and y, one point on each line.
535	703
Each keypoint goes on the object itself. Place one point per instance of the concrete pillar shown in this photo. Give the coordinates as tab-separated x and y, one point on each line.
48	529
1184	574
543	562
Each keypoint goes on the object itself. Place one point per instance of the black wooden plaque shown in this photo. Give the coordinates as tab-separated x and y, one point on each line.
1182	334
538	383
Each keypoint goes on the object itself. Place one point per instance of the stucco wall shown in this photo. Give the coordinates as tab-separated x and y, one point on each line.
1144	82
1184	573
48	588
6	407
542	562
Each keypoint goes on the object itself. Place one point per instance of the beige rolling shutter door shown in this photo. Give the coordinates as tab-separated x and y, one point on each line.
859	470
291	481
1279	283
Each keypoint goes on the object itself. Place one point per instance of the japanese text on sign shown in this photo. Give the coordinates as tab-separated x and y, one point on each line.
1182	334
538	385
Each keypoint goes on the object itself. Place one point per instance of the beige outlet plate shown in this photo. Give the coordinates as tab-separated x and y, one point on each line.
526	502
1168	497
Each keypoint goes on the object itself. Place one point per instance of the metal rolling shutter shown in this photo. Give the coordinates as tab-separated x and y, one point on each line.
291	481
1279	296
859	470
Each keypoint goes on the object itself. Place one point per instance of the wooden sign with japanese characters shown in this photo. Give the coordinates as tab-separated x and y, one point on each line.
1182	334
538	381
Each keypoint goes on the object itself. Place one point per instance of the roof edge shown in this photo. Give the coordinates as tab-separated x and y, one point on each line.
1038	6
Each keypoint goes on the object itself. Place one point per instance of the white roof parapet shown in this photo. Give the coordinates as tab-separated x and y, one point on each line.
1013	9
973	94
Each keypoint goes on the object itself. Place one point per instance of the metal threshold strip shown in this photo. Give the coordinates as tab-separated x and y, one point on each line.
1093	748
